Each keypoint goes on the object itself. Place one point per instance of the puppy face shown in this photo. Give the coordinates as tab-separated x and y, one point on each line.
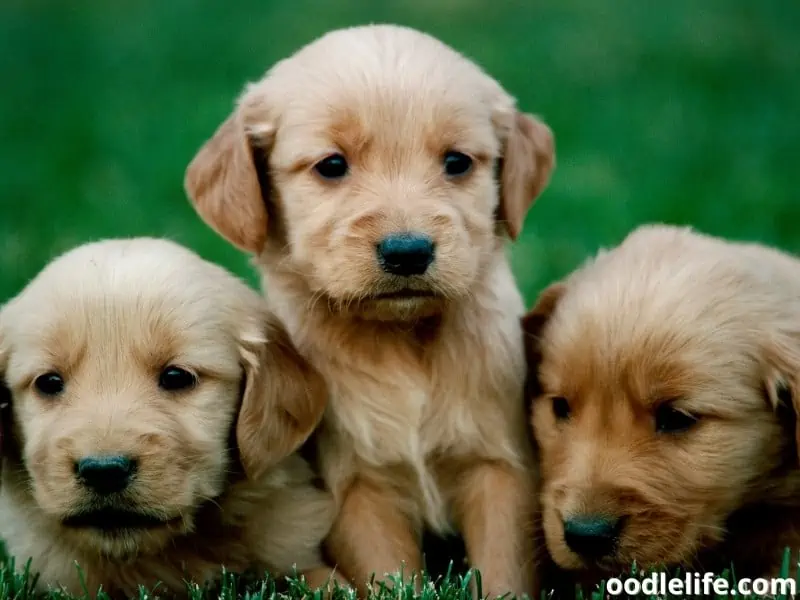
387	157
652	400
134	368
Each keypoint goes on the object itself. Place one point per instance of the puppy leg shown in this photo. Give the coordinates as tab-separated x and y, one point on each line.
496	507
372	535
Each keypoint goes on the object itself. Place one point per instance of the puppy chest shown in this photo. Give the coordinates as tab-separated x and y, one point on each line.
411	423
379	428
381	421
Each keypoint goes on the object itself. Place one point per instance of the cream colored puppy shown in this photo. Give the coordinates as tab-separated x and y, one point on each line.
375	175
154	408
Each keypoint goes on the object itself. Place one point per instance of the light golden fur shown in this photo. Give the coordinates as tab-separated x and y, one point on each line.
108	317
671	320
424	425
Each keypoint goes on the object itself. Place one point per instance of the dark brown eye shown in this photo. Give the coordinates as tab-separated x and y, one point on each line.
669	419
49	384
560	408
174	379
332	167
456	163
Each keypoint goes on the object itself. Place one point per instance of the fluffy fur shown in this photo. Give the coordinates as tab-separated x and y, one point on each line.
215	462
671	323
424	426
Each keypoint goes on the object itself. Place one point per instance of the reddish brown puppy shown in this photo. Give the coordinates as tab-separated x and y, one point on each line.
663	382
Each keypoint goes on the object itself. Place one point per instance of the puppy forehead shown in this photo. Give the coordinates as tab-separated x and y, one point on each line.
626	379
146	301
387	122
592	366
388	83
633	336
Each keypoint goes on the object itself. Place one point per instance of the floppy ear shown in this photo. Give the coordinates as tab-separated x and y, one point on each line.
782	381
527	163
283	401
532	324
224	185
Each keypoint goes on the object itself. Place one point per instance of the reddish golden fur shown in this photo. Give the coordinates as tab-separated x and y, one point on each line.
109	316
424	419
713	327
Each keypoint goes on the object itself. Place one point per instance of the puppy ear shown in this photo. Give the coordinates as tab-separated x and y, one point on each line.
283	401
534	320
527	163
222	181
782	382
532	324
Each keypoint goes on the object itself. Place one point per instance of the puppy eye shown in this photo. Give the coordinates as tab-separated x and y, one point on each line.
456	163
174	379
49	384
332	167
560	408
671	420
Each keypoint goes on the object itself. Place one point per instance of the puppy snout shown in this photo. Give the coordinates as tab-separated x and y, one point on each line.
592	536
107	474
405	254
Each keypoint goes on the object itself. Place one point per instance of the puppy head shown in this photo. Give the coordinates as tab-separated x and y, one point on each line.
131	365
374	165
652	399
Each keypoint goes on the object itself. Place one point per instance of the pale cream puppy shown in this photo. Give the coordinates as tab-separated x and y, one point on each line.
374	175
155	405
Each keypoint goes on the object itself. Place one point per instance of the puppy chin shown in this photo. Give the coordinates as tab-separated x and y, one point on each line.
410	308
387	300
129	542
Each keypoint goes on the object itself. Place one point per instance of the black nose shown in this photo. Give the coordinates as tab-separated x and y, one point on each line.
405	254
105	474
592	536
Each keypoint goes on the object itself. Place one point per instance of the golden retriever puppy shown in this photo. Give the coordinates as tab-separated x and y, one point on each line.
154	409
664	384
374	175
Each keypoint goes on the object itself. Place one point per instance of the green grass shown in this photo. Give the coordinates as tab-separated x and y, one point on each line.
683	111
19	585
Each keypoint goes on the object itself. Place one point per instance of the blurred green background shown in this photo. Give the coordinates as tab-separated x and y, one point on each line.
685	111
